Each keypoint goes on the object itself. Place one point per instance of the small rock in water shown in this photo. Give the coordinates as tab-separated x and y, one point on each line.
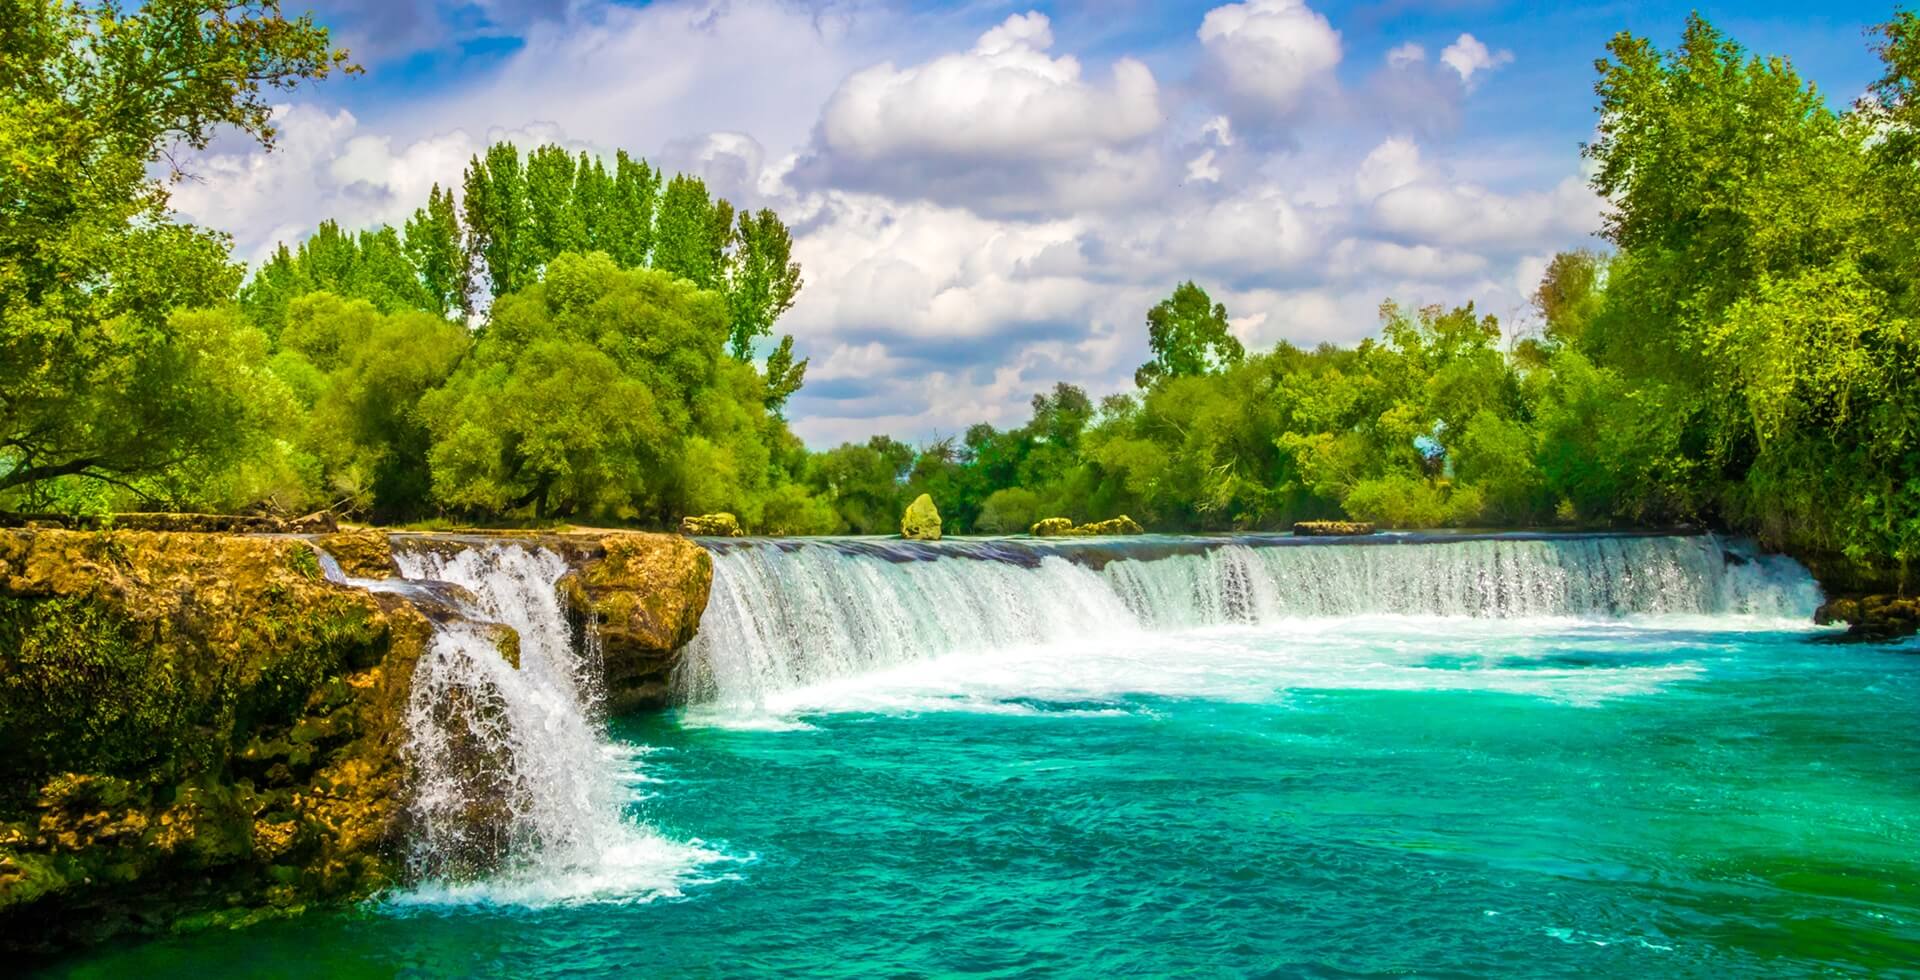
1874	617
1053	527
1061	527
1329	529
711	526
922	520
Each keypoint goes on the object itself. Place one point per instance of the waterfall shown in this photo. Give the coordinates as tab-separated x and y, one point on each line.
514	775
787	614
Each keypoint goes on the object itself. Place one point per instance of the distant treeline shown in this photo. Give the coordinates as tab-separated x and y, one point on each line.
571	338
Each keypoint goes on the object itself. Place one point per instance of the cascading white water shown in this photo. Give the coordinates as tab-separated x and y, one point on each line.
788	615
513	771
1503	578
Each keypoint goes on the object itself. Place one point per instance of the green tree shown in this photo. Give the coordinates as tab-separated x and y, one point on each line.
691	233
499	237
99	378
580	395
1189	335
762	282
434	245
362	374
556	220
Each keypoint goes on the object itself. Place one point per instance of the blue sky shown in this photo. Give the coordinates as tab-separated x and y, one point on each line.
988	196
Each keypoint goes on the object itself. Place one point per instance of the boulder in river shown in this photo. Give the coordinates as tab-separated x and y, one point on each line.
1061	527
711	526
1052	527
1116	525
1873	617
1331	529
645	594
922	520
366	553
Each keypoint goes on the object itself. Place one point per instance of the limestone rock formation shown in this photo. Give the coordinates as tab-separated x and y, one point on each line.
194	728
1061	527
921	521
711	526
1331	529
644	594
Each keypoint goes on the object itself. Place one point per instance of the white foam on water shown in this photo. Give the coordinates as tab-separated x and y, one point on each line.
796	629
530	751
1273	662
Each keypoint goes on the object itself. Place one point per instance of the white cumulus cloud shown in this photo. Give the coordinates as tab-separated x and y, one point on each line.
1269	55
1468	56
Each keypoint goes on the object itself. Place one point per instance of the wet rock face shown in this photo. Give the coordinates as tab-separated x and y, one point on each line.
921	521
644	594
194	729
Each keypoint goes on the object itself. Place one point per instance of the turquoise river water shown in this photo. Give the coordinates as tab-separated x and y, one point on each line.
1195	757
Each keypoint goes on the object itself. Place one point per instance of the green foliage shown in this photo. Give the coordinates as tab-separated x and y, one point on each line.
605	392
434	247
865	484
99	380
1760	312
1189	335
363	374
763	282
1010	510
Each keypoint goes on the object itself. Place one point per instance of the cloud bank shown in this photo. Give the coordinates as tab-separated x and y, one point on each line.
981	209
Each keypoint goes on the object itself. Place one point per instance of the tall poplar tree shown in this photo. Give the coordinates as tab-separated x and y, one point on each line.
434	246
763	279
495	201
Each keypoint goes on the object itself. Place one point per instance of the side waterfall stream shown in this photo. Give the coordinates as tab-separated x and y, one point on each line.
1444	755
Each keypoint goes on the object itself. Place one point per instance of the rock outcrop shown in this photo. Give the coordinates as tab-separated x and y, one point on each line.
194	728
1331	529
711	526
921	521
366	553
1061	527
1873	617
643	594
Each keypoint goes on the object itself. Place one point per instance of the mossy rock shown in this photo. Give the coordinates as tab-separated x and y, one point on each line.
643	595
711	526
191	725
1061	527
1873	617
1331	529
921	521
1052	527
